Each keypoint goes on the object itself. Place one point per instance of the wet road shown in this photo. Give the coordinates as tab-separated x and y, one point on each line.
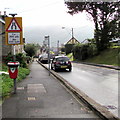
101	84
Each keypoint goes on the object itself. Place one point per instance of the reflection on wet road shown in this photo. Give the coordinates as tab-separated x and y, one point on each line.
101	84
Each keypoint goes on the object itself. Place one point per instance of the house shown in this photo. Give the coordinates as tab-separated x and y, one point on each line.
69	45
5	49
73	41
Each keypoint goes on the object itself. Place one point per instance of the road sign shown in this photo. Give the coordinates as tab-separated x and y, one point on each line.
13	26
13	30
13	38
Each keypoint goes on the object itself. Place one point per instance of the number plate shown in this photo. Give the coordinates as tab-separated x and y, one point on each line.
63	66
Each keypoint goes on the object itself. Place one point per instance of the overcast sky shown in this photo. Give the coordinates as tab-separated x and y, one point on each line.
38	15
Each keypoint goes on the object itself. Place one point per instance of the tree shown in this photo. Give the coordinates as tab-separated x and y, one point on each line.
31	49
105	16
68	48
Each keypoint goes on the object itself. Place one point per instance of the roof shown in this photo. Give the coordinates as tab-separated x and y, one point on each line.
73	41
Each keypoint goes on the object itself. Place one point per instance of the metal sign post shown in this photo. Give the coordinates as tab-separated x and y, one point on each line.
14	59
49	54
48	41
13	36
14	55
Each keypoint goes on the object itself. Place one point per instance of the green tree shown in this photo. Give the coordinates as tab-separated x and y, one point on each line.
105	16
68	48
31	49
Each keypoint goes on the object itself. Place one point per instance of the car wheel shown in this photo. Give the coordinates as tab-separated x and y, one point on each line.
70	69
56	69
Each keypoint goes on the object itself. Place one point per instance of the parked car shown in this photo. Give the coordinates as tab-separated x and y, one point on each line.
61	62
39	57
43	58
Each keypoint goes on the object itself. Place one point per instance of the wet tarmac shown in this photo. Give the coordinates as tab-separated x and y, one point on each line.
101	84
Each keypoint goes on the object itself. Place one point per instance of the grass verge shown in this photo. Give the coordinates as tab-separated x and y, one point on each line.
7	83
108	57
70	55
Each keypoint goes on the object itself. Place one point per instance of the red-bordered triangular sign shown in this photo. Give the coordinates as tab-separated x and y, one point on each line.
13	26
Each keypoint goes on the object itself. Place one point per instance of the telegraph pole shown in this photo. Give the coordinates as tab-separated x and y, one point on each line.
71	30
72	33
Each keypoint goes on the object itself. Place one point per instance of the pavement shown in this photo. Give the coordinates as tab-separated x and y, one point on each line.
43	96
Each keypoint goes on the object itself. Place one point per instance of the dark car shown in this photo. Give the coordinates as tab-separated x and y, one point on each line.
61	62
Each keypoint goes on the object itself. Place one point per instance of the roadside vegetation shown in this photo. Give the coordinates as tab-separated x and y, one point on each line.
105	16
103	48
70	55
7	82
31	49
109	56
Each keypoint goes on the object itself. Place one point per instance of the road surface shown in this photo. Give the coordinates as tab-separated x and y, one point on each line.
101	84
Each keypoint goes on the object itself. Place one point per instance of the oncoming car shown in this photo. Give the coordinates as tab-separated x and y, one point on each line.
61	62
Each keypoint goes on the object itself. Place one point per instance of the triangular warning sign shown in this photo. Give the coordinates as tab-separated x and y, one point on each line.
13	26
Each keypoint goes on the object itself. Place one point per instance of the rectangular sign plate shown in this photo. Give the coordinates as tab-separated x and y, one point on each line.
13	38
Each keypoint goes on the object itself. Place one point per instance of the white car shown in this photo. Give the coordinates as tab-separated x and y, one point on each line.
43	58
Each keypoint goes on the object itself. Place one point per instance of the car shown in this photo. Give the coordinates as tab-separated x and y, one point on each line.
39	57
61	62
43	58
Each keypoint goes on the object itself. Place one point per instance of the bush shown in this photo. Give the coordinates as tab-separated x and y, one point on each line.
68	48
80	52
20	57
8	58
92	50
84	51
76	51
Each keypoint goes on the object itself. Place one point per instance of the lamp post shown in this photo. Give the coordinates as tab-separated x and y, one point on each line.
58	47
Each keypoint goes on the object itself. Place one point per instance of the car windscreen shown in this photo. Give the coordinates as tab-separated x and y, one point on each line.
62	59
